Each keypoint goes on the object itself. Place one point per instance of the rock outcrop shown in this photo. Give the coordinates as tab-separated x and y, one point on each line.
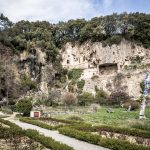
116	67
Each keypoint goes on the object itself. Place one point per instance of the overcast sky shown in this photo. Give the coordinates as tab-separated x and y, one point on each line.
62	10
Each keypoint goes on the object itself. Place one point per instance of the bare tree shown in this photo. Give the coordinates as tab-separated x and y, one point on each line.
69	99
8	86
143	104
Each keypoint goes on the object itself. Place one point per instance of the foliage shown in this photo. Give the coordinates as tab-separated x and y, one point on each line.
6	110
142	126
137	59
88	137
118	97
53	99
38	123
76	118
24	106
61	120
28	83
47	141
16	131
116	119
85	98
134	105
124	131
68	99
110	29
80	84
101	97
74	74
9	87
96	139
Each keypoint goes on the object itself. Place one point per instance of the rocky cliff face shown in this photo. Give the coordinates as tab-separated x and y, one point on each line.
34	65
116	67
112	68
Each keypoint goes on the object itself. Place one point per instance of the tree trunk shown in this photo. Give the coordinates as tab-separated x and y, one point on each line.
142	109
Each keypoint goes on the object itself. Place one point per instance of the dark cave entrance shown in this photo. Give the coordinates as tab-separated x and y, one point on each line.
108	68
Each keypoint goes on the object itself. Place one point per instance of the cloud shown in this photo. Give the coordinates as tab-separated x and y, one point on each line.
51	10
63	10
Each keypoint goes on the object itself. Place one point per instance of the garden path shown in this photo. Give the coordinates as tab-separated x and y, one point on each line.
76	144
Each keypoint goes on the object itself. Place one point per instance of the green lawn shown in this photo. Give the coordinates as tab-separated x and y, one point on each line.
118	118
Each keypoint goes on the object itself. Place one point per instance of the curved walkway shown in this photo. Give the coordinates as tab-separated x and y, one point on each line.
76	144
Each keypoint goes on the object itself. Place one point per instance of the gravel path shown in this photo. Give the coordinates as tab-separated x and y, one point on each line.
76	144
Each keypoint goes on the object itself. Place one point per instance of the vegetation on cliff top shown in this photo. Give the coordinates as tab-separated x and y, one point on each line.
109	29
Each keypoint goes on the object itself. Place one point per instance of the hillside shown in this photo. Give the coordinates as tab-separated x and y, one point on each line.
109	53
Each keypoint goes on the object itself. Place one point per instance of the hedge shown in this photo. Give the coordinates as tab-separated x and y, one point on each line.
89	128
61	120
125	131
96	139
33	134
38	123
46	141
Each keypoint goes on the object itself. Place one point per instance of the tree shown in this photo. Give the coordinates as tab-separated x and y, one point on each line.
85	98
9	86
69	99
24	106
145	94
118	97
101	97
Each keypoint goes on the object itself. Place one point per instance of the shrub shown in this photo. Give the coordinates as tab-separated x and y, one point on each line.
63	79
24	106
101	97
96	139
115	39
69	99
6	110
38	123
74	74
80	84
88	137
76	118
142	126
118	97
61	120
27	83
134	105
47	141
85	98
15	130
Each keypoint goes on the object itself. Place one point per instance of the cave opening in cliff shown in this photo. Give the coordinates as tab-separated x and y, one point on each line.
108	68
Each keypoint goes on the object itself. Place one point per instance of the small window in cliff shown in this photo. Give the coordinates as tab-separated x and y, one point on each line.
83	58
68	62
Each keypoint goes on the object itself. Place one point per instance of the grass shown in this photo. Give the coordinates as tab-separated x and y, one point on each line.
118	118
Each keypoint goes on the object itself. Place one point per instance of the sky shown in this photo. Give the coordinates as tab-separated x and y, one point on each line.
63	10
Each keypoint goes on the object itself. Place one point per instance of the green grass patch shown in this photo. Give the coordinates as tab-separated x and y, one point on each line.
119	118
